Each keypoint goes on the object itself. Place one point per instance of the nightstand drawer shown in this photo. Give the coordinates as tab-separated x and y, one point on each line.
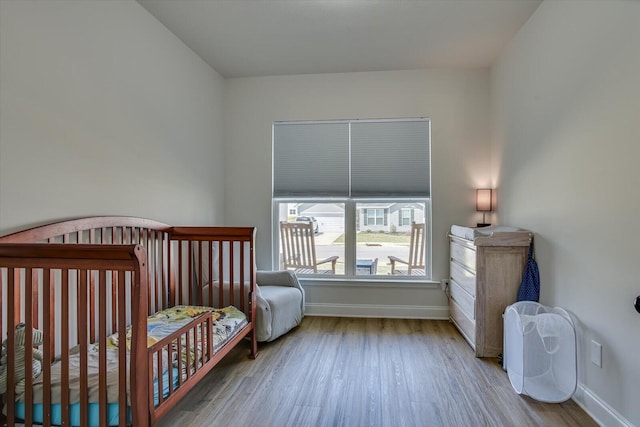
465	278
466	302
463	255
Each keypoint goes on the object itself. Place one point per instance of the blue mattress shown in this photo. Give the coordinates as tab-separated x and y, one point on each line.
94	408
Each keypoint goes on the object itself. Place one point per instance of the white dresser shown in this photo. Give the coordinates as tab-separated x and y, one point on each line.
484	278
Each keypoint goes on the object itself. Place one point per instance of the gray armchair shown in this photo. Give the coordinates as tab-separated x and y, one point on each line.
280	304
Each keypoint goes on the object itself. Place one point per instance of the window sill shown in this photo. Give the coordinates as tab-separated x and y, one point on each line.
369	282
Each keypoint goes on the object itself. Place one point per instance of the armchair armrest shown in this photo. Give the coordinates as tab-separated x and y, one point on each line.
280	278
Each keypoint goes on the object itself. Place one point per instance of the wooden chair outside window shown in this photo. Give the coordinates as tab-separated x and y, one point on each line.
415	264
299	249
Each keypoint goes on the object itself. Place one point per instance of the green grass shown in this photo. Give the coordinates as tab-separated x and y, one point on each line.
374	237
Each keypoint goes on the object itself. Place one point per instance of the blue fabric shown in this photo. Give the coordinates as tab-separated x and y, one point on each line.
530	284
94	408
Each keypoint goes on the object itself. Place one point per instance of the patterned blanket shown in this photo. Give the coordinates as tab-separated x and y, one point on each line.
227	322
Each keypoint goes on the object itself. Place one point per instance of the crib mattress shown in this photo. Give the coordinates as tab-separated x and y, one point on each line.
227	322
93	411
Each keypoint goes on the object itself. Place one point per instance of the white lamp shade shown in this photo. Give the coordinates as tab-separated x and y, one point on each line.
484	202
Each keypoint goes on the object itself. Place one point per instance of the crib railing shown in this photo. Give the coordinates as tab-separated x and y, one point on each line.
89	278
47	287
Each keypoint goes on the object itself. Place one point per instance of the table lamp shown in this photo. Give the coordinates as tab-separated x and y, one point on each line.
484	203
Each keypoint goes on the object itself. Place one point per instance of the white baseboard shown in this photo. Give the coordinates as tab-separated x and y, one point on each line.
598	409
377	311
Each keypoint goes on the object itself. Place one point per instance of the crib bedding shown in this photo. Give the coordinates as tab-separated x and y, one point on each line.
93	408
227	322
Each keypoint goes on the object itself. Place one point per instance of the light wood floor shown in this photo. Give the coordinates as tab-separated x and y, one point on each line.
365	372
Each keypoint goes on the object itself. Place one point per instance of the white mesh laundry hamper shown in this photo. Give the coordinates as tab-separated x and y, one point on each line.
540	351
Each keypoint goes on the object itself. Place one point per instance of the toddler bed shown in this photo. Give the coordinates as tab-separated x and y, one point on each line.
106	321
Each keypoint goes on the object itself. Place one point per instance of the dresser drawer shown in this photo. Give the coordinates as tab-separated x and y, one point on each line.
465	278
466	326
466	302
463	255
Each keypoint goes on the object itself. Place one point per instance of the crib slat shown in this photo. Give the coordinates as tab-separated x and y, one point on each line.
171	380
17	299
211	278
160	380
190	262
11	343
149	249
221	301
179	290
65	348
92	291
51	303
200	279
180	367
203	341
231	275
92	308
48	343
165	266
28	347
114	300
82	338
35	299
242	294
145	243
102	347
156	268
210	337
188	354
122	355
171	270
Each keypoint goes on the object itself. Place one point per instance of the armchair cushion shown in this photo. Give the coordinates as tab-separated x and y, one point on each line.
280	304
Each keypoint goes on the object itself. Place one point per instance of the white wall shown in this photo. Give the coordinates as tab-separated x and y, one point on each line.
566	134
456	102
104	111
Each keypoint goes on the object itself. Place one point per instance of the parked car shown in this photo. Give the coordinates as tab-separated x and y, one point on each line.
308	219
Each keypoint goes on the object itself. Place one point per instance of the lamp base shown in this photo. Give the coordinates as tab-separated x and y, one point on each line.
481	224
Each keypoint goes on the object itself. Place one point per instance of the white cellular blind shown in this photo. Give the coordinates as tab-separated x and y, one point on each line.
311	159
390	158
352	159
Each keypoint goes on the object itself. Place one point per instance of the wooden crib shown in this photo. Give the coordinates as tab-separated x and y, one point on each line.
70	290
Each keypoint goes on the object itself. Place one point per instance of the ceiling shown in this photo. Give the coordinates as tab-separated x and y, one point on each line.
241	38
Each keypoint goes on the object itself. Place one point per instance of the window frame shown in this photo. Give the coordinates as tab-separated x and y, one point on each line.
350	212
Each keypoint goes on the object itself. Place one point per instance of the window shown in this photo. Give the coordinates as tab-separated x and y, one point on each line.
406	216
375	217
364	183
